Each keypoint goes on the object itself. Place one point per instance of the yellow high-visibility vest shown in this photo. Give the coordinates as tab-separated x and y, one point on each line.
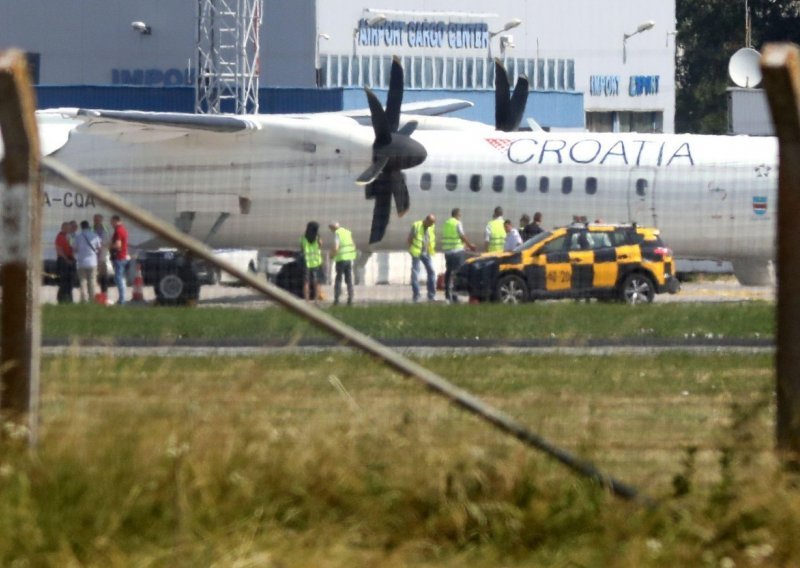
311	253
451	240
347	248
497	234
416	243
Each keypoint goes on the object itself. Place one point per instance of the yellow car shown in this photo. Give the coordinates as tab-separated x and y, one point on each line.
626	262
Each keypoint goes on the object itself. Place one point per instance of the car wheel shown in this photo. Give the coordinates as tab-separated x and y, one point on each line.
169	289
512	290
637	289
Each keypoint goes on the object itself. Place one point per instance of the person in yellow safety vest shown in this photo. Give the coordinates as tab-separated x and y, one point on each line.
344	253
311	245
453	242
422	246
495	232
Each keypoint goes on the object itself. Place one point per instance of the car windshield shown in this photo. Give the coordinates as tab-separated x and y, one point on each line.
533	240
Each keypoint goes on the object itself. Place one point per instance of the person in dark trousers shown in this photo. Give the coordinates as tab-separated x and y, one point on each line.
311	245
65	264
344	253
453	242
104	232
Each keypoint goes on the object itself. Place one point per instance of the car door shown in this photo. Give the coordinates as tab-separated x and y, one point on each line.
606	270
581	260
557	276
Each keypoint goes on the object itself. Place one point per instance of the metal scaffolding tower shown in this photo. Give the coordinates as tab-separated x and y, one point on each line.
227	56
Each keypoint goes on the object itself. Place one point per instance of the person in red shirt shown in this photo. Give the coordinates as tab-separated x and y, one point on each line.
65	264
119	255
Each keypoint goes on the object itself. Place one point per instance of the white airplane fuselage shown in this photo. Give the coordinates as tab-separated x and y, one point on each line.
713	197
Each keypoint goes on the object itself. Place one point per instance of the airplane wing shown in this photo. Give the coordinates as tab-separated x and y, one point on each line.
425	108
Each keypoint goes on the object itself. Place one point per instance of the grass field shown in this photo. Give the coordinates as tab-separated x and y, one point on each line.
332	460
566	321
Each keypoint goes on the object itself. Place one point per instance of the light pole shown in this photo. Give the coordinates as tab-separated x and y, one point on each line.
513	23
643	27
317	58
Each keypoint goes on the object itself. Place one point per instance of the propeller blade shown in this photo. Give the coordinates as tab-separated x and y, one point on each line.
373	171
402	200
518	101
501	94
395	96
408	128
380	123
382	210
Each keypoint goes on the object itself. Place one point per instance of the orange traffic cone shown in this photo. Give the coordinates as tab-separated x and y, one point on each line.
138	285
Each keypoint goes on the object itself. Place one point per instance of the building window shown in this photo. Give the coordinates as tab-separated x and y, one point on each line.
451	182
521	184
571	74
625	121
425	181
475	182
541	77
591	185
497	184
345	70
566	185
544	184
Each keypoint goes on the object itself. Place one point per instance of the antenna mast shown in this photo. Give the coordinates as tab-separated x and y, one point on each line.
228	52
748	38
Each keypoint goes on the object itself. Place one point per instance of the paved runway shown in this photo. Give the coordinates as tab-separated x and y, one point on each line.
723	289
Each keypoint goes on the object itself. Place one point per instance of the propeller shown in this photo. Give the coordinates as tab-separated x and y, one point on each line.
392	151
508	112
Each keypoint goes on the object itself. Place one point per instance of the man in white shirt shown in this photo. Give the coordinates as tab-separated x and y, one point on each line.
513	238
87	245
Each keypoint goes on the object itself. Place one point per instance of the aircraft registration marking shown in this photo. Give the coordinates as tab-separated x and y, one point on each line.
70	199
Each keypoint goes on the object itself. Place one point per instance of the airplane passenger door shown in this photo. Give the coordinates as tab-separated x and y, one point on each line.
642	196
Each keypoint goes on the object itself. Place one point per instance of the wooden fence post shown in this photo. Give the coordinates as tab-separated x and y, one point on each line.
20	247
780	64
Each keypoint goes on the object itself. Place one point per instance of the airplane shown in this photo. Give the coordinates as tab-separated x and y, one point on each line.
256	180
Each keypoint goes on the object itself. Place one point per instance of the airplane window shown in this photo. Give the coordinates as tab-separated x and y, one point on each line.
497	183
425	181
544	184
521	184
591	185
475	182
566	185
451	182
641	187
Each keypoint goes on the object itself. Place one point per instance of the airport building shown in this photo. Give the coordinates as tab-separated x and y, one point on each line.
604	65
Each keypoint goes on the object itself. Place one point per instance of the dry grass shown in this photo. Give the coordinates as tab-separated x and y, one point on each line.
330	460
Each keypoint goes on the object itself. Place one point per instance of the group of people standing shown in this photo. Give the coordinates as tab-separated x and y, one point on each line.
500	235
343	253
85	250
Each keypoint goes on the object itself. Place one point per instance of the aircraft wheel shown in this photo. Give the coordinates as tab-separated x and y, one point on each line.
512	290
637	289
